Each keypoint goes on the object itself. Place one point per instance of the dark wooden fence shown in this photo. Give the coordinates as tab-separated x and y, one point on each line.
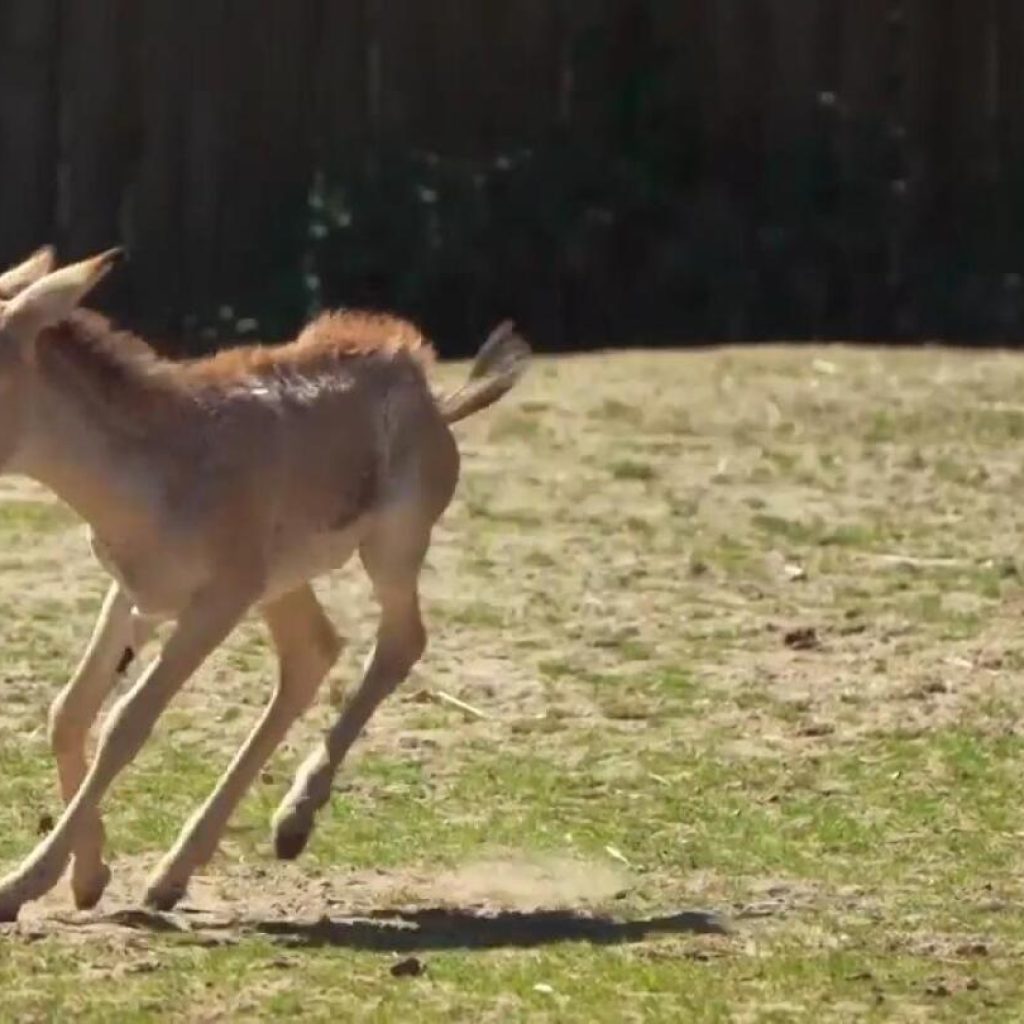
607	171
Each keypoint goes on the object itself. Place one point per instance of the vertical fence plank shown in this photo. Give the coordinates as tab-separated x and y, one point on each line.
794	81
344	83
587	30
1010	86
249	160
96	120
464	78
1008	242
98	129
28	124
347	122
155	196
429	76
678	71
973	168
735	160
211	109
950	123
684	41
793	252
519	80
1010	125
927	124
742	62
866	82
863	67
225	163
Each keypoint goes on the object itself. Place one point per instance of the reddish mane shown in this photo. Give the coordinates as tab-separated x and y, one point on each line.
121	370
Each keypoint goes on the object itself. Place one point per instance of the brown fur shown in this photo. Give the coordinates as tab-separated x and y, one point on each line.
116	368
122	371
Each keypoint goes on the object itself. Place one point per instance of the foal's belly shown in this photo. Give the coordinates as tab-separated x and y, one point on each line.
161	587
310	556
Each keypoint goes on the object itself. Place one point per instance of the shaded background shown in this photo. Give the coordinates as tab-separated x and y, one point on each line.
606	171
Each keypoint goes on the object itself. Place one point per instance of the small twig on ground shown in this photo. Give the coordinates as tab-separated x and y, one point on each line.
460	705
617	854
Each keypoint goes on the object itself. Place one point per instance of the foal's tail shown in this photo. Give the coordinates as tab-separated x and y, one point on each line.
499	364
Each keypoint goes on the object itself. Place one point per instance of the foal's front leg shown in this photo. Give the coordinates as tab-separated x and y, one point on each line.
116	638
203	625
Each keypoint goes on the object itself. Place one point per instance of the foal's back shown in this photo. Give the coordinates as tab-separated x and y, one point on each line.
324	433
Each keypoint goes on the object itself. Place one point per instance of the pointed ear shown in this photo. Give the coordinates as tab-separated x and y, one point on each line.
54	297
19	277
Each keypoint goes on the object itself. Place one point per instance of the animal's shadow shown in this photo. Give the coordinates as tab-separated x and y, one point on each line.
436	929
424	930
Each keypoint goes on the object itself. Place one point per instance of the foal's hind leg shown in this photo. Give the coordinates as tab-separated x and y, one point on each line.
116	639
393	555
307	646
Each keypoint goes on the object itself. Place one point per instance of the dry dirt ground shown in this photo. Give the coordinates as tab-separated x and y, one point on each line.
739	632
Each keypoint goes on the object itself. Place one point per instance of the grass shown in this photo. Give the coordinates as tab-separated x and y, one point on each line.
746	636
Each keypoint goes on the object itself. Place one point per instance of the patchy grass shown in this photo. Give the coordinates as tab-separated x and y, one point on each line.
745	630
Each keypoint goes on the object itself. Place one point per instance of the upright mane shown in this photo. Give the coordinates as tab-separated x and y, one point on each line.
331	337
121	371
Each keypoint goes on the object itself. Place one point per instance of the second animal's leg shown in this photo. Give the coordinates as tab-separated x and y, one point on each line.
115	639
393	556
307	646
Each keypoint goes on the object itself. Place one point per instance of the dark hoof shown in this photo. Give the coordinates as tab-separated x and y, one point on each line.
164	899
88	896
288	845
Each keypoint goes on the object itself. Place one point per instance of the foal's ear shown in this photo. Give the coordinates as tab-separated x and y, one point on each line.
20	276
54	297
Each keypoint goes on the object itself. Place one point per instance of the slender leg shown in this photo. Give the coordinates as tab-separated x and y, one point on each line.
393	562
307	646
116	638
204	624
